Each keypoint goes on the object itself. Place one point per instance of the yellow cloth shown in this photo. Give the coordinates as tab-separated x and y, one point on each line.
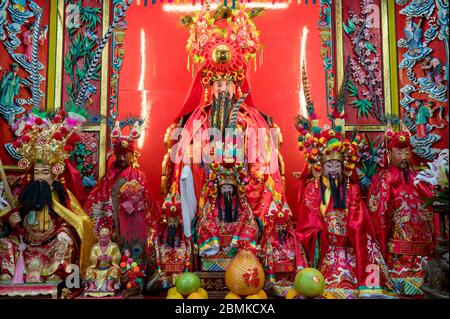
326	183
80	221
44	219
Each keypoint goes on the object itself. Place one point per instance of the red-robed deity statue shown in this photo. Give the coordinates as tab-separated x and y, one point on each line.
121	200
49	230
333	223
406	230
282	254
218	114
225	216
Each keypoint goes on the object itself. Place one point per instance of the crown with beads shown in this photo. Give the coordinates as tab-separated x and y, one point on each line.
47	138
400	139
322	145
231	173
223	42
126	143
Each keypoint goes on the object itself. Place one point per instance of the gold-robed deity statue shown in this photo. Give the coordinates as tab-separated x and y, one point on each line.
103	273
49	230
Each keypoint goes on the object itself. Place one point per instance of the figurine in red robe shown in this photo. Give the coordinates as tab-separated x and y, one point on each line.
333	223
405	230
121	200
225	217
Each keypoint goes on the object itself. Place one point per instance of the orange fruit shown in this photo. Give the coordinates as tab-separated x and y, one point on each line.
203	293
174	295
232	295
262	294
196	295
291	294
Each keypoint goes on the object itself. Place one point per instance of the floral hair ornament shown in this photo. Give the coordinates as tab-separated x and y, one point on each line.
321	145
400	139
48	139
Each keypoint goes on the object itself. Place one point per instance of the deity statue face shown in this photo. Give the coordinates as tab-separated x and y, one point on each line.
43	172
226	189
332	168
123	160
104	238
401	157
224	86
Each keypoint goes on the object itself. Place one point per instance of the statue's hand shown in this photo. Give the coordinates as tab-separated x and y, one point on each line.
14	219
105	258
62	236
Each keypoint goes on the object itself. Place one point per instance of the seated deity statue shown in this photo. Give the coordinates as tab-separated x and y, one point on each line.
49	230
103	273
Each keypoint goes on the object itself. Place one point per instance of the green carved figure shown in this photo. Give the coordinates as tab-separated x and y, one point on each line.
9	86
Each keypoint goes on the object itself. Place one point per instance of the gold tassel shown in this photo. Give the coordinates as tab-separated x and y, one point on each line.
134	161
206	95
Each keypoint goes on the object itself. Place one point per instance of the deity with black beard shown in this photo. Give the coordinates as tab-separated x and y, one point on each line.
225	217
42	239
405	229
333	224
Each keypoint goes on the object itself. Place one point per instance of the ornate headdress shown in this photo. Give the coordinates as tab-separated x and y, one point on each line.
321	145
47	139
172	209
126	143
279	214
227	173
400	139
223	51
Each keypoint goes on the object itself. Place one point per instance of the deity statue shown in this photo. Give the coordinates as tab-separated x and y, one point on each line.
215	117
103	273
49	230
121	200
405	229
9	86
225	216
332	222
281	252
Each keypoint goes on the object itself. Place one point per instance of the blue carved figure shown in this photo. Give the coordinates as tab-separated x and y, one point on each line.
413	34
